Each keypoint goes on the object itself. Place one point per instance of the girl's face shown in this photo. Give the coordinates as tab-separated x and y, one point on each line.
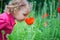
21	13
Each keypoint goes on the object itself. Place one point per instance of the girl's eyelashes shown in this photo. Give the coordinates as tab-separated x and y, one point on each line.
23	5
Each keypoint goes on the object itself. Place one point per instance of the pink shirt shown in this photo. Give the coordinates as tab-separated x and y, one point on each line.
6	22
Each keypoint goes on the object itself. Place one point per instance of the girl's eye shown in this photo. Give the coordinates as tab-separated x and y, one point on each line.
22	5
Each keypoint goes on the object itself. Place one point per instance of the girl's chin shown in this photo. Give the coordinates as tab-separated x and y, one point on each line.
20	20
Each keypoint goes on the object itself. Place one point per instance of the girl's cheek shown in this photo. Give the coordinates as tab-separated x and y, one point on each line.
20	16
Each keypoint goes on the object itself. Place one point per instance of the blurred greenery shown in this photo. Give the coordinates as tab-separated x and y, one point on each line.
2	4
37	31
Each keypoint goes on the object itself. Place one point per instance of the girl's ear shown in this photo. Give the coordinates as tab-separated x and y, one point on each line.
10	8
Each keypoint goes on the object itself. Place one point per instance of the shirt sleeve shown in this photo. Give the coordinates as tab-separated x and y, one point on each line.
6	22
3	23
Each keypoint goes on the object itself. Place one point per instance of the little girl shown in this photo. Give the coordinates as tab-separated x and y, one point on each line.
16	9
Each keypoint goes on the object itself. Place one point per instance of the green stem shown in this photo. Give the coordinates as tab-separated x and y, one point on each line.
3	34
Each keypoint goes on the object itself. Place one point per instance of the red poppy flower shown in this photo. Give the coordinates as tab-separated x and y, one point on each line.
29	21
58	9
44	15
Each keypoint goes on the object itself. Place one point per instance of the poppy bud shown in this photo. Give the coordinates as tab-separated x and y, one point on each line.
58	9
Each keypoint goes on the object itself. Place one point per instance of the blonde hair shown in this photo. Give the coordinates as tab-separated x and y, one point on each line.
15	5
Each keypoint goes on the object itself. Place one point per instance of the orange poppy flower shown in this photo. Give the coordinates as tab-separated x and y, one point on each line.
29	21
44	15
